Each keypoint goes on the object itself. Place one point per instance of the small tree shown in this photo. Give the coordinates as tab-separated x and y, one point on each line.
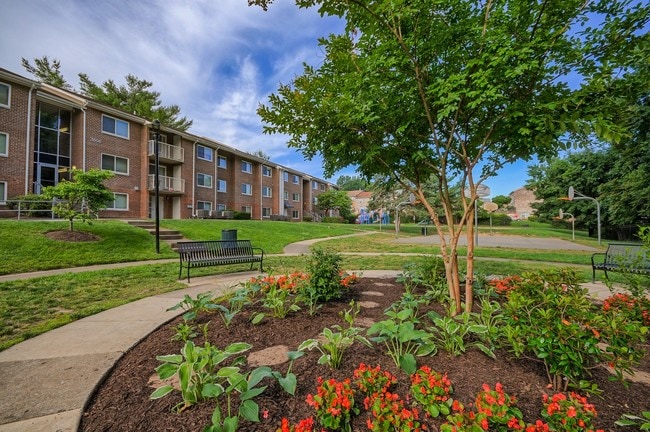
82	196
336	200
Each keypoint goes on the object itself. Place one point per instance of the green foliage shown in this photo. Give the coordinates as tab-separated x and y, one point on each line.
402	339
46	71
432	391
238	215
350	183
194	306
199	372
428	272
32	205
333	344
335	200
135	97
324	268
280	301
456	334
394	92
83	196
643	423
550	317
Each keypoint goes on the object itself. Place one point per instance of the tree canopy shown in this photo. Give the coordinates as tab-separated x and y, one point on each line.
350	183
454	90
136	97
82	196
335	200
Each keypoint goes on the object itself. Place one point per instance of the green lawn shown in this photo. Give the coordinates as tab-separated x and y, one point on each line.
33	306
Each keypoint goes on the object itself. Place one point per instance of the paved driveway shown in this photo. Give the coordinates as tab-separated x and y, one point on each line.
505	241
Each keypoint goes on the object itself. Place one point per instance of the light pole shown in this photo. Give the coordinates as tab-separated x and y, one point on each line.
573	223
572	196
156	131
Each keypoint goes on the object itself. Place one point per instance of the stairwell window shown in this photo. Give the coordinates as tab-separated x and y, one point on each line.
222	186
266	212
267	192
266	171
246	189
3	193
222	162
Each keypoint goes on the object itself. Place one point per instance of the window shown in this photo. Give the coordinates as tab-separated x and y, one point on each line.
295	214
222	186
246	167
221	207
204	205
296	179
222	162
246	189
120	202
314	185
296	196
3	192
267	192
204	180
4	144
322	187
315	200
247	209
204	153
115	163
5	95
266	212
286	195
115	126
266	171
285	176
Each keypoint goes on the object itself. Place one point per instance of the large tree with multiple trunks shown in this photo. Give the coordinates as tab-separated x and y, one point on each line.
454	90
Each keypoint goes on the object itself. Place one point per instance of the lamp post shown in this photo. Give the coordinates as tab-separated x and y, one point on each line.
156	131
572	196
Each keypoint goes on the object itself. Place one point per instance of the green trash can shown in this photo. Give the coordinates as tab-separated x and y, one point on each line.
229	234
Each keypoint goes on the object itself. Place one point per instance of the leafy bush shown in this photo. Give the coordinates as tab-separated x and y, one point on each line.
324	268
550	317
238	215
32	205
334	219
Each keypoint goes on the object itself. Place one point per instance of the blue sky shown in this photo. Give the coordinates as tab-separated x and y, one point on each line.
216	59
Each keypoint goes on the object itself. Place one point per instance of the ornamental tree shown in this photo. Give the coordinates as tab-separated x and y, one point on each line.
83	196
452	91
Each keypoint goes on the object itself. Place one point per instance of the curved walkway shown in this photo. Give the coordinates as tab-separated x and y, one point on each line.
45	381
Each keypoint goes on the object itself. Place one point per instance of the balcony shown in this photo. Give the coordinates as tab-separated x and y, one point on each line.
167	185
166	152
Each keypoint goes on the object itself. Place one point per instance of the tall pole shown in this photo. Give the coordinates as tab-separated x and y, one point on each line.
156	131
572	196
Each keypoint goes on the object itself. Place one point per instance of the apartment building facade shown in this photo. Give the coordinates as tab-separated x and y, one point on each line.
46	131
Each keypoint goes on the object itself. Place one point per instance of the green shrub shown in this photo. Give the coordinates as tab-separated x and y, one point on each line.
548	316
334	219
324	268
33	205
237	215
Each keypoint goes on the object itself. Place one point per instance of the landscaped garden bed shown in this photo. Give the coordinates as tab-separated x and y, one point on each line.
123	401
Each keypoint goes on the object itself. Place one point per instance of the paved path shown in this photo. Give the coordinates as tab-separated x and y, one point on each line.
45	381
506	241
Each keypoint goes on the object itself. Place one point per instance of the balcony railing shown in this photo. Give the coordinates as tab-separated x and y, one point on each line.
167	151
169	185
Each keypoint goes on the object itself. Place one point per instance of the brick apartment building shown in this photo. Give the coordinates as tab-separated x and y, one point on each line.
45	131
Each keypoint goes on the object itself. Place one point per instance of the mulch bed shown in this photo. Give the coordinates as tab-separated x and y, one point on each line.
121	402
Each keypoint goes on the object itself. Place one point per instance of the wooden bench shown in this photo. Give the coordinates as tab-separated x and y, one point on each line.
621	257
217	252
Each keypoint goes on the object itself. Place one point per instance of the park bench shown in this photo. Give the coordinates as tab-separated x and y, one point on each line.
217	252
621	257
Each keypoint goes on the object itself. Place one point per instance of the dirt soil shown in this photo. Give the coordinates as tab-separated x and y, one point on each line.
121	402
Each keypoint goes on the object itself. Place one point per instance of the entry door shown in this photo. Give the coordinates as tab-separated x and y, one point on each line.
46	175
152	206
